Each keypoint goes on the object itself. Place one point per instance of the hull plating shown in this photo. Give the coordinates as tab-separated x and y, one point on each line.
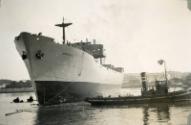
55	92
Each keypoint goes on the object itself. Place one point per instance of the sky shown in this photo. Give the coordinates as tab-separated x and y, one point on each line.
135	33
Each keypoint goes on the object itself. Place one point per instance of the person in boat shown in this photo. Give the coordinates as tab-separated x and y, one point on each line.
30	99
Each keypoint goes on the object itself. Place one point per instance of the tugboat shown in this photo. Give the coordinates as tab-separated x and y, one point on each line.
158	94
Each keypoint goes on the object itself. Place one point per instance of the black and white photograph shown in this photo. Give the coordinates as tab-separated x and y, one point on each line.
95	62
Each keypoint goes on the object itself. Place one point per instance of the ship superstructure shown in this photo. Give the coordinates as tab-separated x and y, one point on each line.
66	72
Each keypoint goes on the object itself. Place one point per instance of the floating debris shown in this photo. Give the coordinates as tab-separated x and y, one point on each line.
19	111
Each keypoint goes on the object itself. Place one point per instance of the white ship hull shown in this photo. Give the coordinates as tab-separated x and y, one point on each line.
63	71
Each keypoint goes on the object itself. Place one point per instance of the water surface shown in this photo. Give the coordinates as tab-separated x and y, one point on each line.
82	114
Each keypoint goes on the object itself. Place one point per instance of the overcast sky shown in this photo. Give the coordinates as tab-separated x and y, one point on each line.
135	33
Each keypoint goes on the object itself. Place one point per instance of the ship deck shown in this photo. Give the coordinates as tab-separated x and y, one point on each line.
172	97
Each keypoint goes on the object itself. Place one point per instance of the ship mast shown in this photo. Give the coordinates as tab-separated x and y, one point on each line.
63	25
165	71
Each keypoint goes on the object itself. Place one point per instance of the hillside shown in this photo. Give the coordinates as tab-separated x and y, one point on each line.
4	83
175	79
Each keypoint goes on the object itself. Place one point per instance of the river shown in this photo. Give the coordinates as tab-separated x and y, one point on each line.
83	114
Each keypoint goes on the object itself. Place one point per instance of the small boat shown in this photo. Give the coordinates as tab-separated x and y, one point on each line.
30	99
171	97
17	100
158	94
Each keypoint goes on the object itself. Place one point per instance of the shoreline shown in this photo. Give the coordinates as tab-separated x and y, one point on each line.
16	90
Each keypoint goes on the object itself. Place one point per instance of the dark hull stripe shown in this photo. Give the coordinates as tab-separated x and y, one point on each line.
56	92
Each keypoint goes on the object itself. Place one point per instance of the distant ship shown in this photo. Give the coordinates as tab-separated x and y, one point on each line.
66	72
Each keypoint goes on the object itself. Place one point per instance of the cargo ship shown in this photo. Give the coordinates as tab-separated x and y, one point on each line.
66	72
